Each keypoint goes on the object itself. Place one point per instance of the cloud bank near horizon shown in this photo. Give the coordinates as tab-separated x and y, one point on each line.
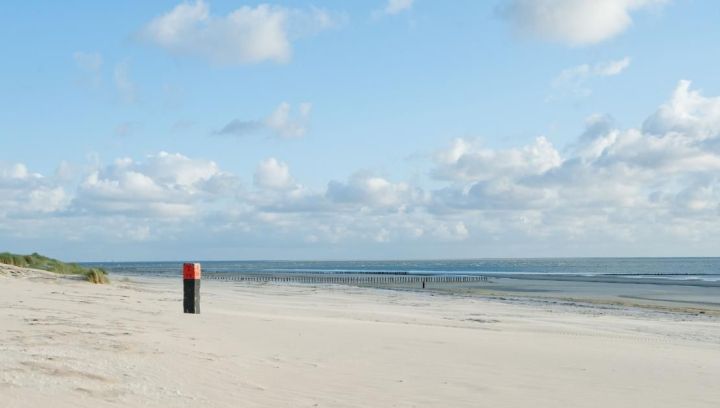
610	189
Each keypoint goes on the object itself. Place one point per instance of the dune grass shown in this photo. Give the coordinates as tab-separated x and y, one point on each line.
37	261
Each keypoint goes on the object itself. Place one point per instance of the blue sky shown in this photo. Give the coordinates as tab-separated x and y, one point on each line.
387	129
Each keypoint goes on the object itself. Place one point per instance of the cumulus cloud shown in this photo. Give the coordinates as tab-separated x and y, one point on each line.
622	180
687	113
163	185
573	22
651	187
273	174
245	35
17	171
467	160
24	193
575	80
282	122
373	191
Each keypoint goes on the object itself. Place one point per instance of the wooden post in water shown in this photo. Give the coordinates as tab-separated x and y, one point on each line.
191	288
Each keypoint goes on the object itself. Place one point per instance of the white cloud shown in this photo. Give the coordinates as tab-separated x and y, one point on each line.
17	171
397	6
373	191
164	185
468	160
24	193
273	174
47	200
451	231
688	113
575	80
612	67
281	123
243	36
612	191
623	181
573	22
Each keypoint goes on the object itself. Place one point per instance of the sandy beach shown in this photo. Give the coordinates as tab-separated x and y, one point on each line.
68	343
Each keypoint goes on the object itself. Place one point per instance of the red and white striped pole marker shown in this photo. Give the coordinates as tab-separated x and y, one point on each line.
191	288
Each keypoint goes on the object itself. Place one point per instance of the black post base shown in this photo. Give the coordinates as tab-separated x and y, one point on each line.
191	300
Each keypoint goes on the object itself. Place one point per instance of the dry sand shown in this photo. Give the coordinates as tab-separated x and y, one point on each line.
68	343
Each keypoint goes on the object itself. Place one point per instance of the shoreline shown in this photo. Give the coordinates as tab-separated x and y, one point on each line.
522	292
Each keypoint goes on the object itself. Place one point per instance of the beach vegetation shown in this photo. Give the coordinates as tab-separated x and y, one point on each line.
37	261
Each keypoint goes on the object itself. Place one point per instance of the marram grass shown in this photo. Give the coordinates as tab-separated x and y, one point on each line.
37	261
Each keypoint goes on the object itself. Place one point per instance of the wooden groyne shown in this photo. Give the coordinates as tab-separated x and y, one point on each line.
348	279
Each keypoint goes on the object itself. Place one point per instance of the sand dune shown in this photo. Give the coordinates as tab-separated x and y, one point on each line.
67	343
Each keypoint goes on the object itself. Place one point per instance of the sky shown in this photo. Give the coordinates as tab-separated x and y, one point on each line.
384	129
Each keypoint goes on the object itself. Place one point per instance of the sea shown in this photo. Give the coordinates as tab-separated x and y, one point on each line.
700	271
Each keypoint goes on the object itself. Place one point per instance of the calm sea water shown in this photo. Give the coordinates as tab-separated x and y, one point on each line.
699	269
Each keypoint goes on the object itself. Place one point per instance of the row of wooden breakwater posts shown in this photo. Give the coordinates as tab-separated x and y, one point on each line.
349	279
192	274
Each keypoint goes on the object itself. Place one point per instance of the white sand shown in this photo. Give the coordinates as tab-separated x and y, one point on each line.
66	343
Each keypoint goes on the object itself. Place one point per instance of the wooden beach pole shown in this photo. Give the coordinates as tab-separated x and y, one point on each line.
191	288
